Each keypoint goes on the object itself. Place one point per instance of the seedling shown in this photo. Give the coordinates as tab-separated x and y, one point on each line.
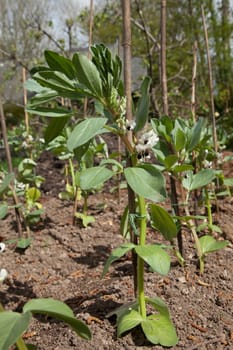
14	324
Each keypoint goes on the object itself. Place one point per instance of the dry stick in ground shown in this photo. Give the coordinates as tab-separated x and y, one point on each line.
211	89
150	51
126	13
193	112
210	82
91	22
18	215
174	196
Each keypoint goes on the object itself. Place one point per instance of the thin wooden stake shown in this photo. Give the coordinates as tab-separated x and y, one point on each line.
174	195
211	89
126	13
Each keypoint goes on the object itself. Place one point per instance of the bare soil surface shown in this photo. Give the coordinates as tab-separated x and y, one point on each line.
65	262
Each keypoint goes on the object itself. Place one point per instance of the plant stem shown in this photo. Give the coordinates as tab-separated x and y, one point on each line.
195	236
140	264
208	206
21	345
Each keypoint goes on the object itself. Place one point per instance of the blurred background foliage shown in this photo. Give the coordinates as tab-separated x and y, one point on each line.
27	27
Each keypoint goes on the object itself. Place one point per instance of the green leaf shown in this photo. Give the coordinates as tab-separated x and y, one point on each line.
54	128
128	321
93	177
143	105
32	85
209	244
3	210
193	181
146	183
163	222
182	168
158	329
170	161
86	219
85	131
59	82
6	182
195	134
158	304
59	63
179	139
33	194
60	311
12	326
117	254
87	74
24	243
45	96
50	112
124	224
228	182
155	257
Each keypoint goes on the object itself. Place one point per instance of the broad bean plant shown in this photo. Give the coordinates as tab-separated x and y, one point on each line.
100	80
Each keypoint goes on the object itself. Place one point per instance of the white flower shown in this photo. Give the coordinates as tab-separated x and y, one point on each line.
147	141
130	124
3	274
2	247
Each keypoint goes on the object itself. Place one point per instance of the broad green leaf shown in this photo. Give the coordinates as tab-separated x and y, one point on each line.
158	329
32	85
155	257
59	63
146	183
195	134
60	311
59	82
3	210
170	161
158	304
50	112
143	105
85	131
117	254
203	178
23	243
163	222
182	168
33	194
128	321
228	182
87	74
43	97
179	139
12	326
6	182
210	244
93	177
54	128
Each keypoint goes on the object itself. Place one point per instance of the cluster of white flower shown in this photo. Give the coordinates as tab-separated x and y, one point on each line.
3	272
147	141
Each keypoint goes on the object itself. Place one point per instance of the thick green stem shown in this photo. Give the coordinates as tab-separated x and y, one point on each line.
21	345
140	265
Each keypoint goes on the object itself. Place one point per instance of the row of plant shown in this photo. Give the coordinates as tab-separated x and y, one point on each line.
180	149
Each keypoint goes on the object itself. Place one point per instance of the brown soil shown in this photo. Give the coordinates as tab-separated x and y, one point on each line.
66	262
